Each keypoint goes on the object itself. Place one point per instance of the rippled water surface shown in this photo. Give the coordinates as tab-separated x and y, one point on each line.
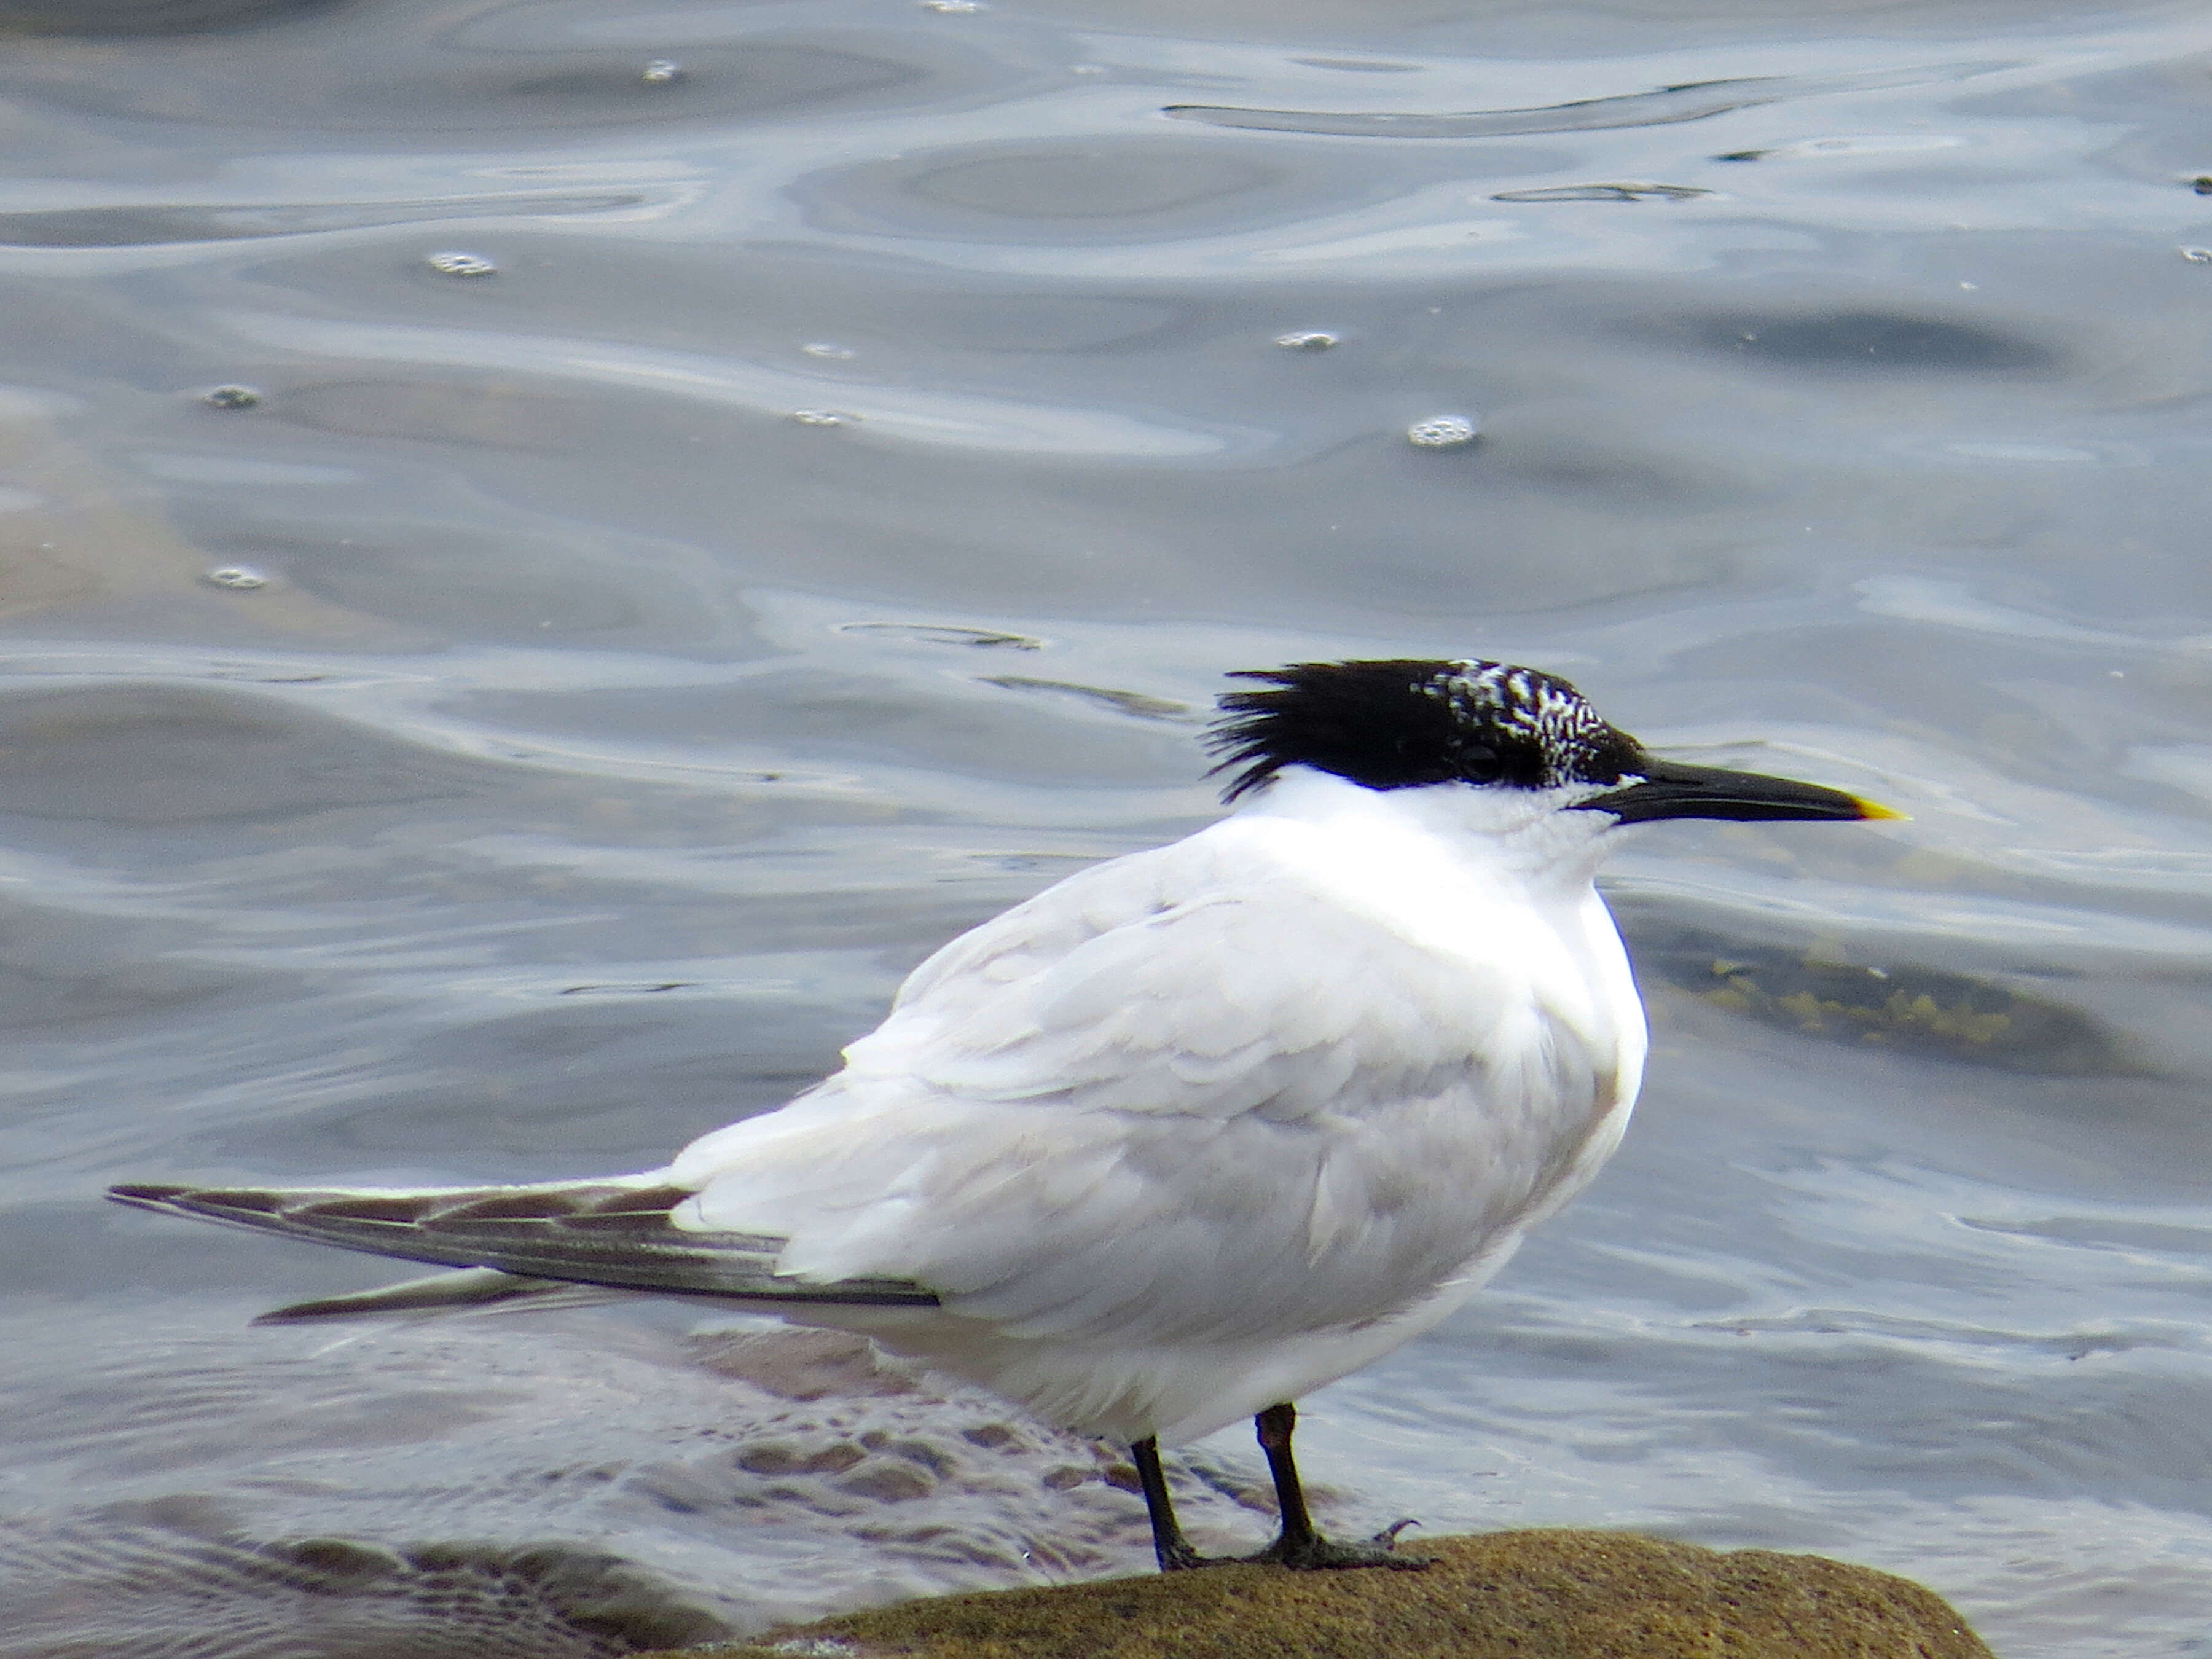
713	498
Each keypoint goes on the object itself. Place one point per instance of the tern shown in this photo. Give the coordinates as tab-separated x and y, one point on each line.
1196	1130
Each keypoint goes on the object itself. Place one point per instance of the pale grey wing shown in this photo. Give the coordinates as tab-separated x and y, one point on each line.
606	1233
1246	1110
1014	944
1261	995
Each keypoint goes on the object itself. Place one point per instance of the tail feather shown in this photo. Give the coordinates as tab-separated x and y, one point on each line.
612	1233
440	1292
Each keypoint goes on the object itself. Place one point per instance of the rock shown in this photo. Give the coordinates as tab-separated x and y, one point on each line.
1554	1594
1908	1007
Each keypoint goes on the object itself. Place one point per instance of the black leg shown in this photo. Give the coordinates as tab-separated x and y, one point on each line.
1298	1544
1275	1425
1169	1544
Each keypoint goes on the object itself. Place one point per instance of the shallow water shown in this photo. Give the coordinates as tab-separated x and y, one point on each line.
828	520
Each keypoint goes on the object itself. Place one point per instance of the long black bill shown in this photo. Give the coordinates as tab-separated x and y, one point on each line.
1670	790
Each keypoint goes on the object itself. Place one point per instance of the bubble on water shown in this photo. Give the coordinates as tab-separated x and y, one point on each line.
1314	339
824	418
660	71
954	6
238	577
1441	432
2197	256
230	396
453	263
825	349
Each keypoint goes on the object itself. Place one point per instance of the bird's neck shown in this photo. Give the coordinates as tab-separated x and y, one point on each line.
1517	836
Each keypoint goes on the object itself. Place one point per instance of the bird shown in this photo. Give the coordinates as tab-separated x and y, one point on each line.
1196	1130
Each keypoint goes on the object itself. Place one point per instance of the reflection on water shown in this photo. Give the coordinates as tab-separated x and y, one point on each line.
548	553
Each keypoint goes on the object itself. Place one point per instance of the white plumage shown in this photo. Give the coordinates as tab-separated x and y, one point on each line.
1204	1128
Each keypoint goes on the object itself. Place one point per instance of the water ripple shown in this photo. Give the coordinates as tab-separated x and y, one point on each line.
129	226
938	418
1694	100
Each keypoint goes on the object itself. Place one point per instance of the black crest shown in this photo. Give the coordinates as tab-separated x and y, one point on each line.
1400	725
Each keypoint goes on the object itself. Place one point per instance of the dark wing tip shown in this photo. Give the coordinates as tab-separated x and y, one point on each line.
595	1234
147	1195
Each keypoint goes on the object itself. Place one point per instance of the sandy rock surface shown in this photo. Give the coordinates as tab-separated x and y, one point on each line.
1538	1594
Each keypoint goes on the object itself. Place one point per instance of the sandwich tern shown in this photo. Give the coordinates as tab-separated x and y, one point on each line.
1197	1129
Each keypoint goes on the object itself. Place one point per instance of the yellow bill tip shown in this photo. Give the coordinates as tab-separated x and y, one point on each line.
1876	810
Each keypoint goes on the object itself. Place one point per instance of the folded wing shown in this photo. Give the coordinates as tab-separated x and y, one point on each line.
1188	1095
609	1233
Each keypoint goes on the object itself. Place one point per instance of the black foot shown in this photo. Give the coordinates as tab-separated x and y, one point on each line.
1307	1555
1316	1554
1180	1557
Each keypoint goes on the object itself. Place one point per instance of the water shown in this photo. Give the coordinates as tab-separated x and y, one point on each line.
498	722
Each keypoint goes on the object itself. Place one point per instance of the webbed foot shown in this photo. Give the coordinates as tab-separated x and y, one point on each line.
1314	1552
